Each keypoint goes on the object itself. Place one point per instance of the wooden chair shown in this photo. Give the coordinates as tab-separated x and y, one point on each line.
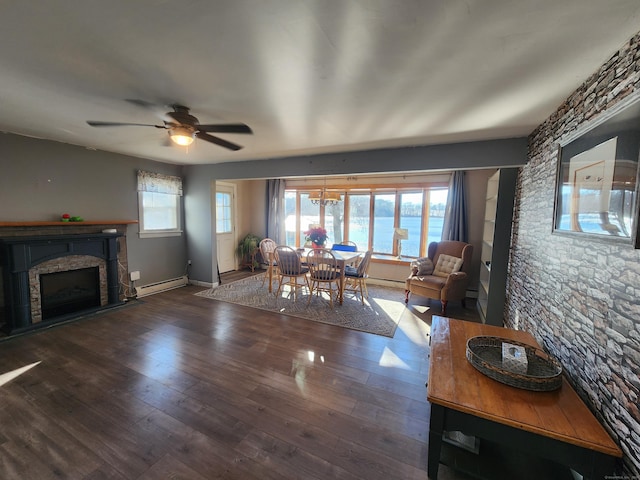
348	246
290	269
324	273
267	247
356	277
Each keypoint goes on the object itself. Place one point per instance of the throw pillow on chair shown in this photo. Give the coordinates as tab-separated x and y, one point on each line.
422	266
447	265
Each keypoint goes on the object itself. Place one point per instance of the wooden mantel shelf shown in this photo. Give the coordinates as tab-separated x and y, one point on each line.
57	224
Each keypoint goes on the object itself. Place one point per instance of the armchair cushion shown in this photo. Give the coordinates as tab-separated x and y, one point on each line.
422	266
447	264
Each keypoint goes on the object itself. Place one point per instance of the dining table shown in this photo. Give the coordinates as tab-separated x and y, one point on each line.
343	259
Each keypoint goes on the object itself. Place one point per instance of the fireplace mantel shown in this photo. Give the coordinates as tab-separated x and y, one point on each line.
65	224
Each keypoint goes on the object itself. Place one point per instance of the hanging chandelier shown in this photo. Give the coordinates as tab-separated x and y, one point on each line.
325	198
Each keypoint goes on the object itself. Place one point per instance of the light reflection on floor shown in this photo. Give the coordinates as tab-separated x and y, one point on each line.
7	377
299	368
390	359
162	357
414	327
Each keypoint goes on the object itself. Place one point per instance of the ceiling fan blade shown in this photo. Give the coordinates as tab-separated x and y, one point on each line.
218	141
94	123
158	110
142	103
226	128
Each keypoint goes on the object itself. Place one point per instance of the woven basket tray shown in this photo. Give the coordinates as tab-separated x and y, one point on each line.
544	373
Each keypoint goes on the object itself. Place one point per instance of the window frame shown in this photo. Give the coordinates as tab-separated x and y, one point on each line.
159	184
143	232
372	191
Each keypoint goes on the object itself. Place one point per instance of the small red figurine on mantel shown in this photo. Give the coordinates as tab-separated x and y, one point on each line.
65	217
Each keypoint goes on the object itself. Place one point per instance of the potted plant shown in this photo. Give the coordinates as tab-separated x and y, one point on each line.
247	249
317	236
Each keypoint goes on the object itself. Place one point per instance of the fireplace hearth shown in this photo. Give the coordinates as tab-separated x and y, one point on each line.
51	278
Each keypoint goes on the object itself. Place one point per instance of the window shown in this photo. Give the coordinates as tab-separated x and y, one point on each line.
334	223
223	212
368	217
384	207
159	204
411	219
291	223
359	217
310	215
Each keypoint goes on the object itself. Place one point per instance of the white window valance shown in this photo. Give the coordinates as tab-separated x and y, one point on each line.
159	183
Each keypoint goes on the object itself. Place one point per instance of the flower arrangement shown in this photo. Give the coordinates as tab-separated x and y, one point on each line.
316	235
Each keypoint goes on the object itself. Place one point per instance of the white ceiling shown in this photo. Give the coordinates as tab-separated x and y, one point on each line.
308	76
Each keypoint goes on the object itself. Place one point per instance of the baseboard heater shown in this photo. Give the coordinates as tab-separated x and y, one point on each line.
163	286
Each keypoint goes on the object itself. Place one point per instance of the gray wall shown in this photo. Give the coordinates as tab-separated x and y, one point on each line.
199	212
581	296
467	156
40	180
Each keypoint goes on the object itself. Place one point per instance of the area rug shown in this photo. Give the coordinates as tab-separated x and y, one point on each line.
379	315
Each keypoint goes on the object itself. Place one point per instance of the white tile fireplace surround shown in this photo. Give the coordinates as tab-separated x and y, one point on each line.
80	272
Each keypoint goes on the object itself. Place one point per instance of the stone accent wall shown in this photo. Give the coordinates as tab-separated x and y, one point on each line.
581	298
62	264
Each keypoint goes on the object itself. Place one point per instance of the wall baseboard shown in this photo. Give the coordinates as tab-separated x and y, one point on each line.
198	283
385	283
163	286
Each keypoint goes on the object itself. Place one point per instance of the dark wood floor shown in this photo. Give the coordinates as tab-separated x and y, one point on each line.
179	386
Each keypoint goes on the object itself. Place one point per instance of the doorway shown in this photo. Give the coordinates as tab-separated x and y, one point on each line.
226	241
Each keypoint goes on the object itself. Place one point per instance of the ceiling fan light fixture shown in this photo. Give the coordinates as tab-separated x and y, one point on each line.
184	128
182	136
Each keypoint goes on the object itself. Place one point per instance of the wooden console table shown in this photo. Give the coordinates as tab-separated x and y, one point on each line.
554	425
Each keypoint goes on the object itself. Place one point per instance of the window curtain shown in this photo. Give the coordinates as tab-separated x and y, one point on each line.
159	183
275	211
455	225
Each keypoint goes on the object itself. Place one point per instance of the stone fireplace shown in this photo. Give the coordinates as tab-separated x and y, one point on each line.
51	278
66	285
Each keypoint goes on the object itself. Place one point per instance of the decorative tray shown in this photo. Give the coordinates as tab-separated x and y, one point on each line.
539	372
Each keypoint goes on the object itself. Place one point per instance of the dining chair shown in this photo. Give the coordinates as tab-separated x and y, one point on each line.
348	246
324	274
356	277
290	270
267	247
345	246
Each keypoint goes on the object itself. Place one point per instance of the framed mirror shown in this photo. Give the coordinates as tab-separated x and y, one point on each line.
597	179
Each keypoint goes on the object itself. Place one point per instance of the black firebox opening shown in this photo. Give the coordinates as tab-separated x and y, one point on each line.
70	291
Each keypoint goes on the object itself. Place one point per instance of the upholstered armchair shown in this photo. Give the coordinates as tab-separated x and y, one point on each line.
442	275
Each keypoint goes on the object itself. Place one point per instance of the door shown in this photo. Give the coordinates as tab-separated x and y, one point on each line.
225	198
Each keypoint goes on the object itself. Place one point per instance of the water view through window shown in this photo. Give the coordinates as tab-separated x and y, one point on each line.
359	227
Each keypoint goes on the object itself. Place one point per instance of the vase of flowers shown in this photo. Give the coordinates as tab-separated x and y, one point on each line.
317	236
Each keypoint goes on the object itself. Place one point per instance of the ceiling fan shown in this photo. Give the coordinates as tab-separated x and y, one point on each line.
183	128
